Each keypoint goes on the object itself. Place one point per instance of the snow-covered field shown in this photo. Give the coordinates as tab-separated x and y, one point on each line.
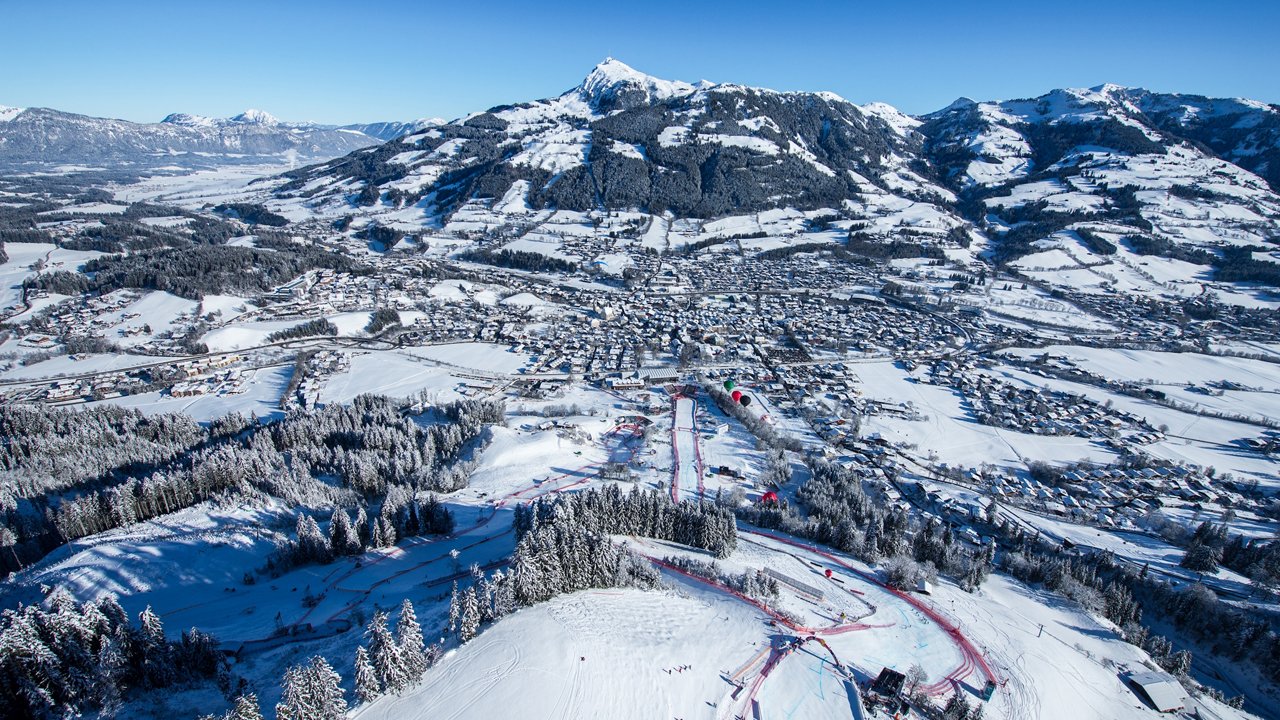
1203	441
392	374
194	190
593	654
474	356
80	364
952	434
1151	367
22	258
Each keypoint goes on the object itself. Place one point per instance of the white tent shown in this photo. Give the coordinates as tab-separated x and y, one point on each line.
1161	689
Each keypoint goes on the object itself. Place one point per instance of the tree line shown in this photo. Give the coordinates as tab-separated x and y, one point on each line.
380	319
1125	595
72	473
402	515
519	260
310	328
197	271
649	513
840	513
252	213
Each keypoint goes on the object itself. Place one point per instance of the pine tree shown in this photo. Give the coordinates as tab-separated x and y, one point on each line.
246	708
526	576
361	529
155	651
411	525
409	637
388	532
504	599
469	622
1179	663
312	692
455	608
368	686
484	593
385	654
957	708
342	539
111	660
22	650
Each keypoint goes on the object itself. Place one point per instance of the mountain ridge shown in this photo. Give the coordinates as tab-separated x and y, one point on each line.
1011	176
36	135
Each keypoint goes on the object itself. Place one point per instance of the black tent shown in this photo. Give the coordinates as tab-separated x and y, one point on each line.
889	683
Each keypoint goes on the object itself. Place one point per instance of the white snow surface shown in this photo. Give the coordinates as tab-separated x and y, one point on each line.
612	73
901	122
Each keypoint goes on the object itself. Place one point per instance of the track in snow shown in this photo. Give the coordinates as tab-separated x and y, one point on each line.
972	659
686	471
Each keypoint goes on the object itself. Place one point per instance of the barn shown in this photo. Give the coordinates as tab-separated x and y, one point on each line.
1161	690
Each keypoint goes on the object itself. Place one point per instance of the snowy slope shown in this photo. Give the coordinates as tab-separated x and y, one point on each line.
1165	176
624	139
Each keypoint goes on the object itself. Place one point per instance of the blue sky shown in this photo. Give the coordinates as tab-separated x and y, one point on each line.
341	62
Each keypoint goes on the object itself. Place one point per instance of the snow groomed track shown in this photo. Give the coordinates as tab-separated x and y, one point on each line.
744	698
972	659
687	471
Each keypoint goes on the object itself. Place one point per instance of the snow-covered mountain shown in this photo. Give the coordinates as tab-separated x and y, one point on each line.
623	139
43	135
391	130
380	131
1163	171
614	85
1153	172
1005	140
1245	132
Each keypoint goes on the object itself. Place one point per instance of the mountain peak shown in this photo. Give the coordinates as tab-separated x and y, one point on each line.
613	67
256	117
1109	89
188	120
9	113
614	85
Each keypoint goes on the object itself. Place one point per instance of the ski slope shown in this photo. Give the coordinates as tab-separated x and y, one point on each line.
687	472
602	654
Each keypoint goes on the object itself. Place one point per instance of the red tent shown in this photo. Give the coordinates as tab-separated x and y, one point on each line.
769	497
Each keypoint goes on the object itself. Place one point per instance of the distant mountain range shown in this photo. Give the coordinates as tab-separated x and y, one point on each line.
1155	167
1088	167
45	136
